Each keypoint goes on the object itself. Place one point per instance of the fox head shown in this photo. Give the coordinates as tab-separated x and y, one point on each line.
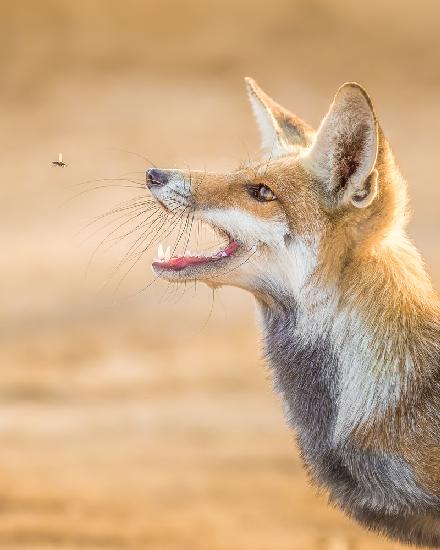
318	200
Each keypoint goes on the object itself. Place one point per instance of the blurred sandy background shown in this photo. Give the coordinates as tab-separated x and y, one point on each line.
149	422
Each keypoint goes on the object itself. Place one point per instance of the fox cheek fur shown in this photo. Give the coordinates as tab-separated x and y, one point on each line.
350	321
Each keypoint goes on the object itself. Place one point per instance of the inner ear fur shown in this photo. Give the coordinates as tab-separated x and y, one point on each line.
345	149
281	131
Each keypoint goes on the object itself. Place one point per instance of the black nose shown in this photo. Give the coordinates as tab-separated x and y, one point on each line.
156	177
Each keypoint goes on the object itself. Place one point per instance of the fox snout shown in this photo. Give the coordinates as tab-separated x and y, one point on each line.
154	177
171	188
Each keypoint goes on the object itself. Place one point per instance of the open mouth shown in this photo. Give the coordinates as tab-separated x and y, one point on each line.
165	261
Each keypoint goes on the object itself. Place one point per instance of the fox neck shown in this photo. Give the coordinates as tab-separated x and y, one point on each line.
357	333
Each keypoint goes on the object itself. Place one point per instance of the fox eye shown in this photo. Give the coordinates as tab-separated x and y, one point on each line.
261	193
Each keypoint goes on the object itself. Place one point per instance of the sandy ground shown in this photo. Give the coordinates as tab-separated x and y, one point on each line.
145	419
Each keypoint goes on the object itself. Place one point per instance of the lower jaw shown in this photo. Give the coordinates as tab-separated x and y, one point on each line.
183	267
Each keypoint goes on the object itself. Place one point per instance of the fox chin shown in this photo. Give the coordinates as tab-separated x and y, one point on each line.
351	323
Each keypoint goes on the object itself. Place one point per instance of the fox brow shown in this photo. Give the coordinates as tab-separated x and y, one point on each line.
255	167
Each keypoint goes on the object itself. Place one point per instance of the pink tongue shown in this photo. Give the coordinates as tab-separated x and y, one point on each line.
181	262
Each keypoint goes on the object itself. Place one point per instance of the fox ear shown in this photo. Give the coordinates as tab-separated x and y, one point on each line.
281	131
345	150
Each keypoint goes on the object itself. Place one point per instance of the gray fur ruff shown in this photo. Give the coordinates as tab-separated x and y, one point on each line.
378	490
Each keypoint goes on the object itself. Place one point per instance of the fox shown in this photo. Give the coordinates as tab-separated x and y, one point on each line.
350	321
